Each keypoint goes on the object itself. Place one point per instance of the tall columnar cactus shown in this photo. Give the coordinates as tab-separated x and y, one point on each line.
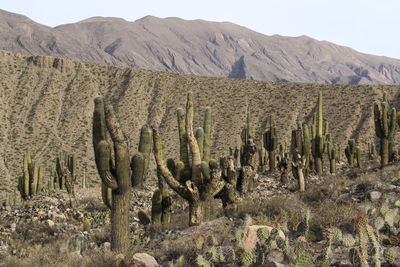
300	149
350	151
30	183
161	202
246	133
319	137
203	179
271	143
115	174
385	127
333	151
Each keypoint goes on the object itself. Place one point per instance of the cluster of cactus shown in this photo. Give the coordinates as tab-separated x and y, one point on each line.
385	127
264	245
333	153
300	147
353	153
197	179
30	183
116	175
64	162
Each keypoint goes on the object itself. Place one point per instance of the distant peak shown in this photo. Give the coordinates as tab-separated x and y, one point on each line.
101	19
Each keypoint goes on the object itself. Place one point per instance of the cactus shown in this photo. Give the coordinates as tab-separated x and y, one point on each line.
348	240
388	255
199	184
30	183
385	127
262	233
358	157
65	162
319	137
115	174
143	218
332	151
246	259
372	151
156	207
350	152
262	158
140	160
271	143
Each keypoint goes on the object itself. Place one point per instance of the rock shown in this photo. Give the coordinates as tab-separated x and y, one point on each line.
107	245
374	195
13	227
275	264
250	236
144	260
49	223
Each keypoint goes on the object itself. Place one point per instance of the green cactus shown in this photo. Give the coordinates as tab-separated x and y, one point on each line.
65	161
143	218
246	259
262	233
140	160
385	127
230	256
348	240
332	151
388	255
358	157
271	143
199	242
115	174
372	151
30	183
262	158
156	208
239	235
188	178
350	151
355	257
319	137
201	262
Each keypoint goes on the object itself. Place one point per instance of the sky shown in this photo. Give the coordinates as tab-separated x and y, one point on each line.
369	26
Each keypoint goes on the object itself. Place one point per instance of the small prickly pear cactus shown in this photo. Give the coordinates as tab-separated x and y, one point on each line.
388	255
246	259
262	233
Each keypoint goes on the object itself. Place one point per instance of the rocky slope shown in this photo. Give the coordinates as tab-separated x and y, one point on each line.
197	47
46	104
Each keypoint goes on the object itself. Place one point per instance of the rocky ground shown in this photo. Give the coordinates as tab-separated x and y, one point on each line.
45	231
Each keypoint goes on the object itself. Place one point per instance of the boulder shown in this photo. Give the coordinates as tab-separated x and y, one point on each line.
144	260
250	236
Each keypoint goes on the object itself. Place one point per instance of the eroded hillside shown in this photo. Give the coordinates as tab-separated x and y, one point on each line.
47	105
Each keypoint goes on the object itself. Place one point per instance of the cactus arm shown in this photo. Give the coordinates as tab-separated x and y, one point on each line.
171	181
183	142
120	151
194	148
377	121
200	140
207	134
392	126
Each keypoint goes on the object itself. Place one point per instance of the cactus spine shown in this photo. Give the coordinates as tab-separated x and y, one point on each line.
30	183
271	143
115	177
385	126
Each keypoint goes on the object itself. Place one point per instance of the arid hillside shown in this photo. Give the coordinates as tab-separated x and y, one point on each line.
199	47
47	105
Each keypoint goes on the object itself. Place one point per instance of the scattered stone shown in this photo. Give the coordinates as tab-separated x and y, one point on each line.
13	227
49	223
144	260
374	195
107	246
275	264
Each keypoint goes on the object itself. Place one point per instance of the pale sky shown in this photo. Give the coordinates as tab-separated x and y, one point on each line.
369	26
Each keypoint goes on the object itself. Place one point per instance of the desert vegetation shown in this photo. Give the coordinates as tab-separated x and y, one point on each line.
263	182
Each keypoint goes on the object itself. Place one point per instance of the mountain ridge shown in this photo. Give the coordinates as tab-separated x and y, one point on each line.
197	47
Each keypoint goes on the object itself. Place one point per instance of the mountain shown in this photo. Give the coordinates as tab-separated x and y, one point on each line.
199	47
46	104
